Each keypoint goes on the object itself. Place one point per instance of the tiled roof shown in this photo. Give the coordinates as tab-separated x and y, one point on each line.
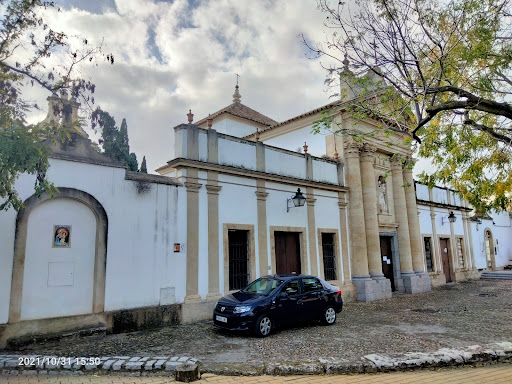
243	111
309	113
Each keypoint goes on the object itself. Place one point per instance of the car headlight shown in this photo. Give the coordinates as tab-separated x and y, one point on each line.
242	309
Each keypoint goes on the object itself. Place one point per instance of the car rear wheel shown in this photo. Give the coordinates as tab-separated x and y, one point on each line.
263	326
329	317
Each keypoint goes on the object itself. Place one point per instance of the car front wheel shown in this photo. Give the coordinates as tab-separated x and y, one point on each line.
329	317
263	326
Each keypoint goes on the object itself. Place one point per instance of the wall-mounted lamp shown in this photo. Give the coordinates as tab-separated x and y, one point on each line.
298	200
451	218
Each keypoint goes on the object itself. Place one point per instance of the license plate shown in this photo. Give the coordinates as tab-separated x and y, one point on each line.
222	319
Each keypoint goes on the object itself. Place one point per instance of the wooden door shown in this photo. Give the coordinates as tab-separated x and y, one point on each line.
287	252
387	259
445	258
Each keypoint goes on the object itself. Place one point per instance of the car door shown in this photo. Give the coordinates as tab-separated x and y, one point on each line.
290	307
312	298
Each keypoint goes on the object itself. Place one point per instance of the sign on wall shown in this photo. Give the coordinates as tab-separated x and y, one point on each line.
61	236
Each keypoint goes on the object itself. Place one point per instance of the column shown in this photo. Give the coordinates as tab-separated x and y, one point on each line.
261	196
369	189
312	239
434	251
212	189
192	236
356	212
344	238
404	240
413	221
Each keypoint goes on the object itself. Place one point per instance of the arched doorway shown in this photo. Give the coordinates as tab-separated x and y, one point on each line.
489	249
59	257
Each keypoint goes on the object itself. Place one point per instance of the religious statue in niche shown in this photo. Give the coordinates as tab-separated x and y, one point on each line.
61	236
381	184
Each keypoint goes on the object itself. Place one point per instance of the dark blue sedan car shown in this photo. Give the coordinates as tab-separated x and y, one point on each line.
278	300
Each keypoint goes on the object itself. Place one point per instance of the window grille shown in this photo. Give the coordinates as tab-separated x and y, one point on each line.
460	253
238	259
328	249
428	253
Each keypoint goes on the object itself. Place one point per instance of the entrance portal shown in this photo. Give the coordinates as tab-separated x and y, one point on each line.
287	252
445	258
387	259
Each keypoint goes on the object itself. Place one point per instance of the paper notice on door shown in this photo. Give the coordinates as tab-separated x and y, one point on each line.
384	258
388	261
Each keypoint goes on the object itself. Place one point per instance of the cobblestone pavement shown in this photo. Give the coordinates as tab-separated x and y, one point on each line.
496	374
451	316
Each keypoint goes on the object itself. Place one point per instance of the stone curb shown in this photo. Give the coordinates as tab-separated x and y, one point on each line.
373	363
164	365
54	365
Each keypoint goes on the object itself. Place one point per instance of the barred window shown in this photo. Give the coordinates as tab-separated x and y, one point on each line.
238	259
329	256
428	253
460	253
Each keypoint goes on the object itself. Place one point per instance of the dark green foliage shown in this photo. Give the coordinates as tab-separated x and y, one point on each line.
143	167
115	140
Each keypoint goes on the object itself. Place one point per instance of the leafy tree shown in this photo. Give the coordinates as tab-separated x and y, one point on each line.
115	140
437	72
143	167
29	52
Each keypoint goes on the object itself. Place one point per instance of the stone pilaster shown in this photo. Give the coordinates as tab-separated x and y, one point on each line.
344	238
213	189
356	212
310	202
434	250
404	241
414	225
261	196
192	236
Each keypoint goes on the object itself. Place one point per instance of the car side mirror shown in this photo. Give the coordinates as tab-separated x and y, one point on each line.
283	295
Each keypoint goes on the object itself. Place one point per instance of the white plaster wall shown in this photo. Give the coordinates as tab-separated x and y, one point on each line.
287	164
422	192
295	140
59	281
325	172
237	154
502	235
8	228
232	127
425	220
458	226
439	195
442	227
203	145
478	237
142	230
180	145
237	205
455	199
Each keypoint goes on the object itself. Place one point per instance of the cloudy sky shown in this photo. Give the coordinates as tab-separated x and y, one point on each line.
172	56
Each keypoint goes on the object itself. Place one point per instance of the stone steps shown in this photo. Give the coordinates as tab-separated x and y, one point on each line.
496	275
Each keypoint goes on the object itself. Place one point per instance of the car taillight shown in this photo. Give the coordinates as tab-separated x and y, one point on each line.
339	292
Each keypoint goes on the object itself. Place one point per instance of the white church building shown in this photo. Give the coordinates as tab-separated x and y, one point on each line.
125	251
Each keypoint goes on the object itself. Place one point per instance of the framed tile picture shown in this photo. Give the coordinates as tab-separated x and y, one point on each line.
61	236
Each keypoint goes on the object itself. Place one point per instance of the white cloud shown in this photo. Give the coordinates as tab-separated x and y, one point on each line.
174	56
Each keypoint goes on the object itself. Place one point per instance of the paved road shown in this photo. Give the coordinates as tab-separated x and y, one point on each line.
453	316
495	374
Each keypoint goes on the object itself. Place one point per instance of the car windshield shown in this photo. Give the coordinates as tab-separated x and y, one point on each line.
263	286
